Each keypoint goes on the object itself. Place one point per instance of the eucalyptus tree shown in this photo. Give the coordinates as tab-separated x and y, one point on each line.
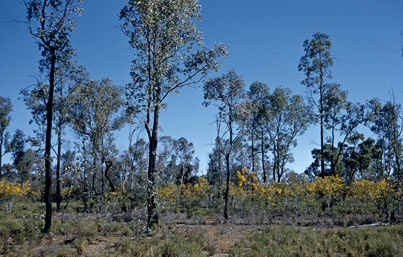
334	102
51	22
287	116
166	160
168	55
215	174
5	109
386	122
108	153
248	121
214	170
358	157
23	159
138	157
17	147
226	93
134	157
94	114
70	168
316	65
342	119
67	74
35	97
136	167
258	95
26	165
184	153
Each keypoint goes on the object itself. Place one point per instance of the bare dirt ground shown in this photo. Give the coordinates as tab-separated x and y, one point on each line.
221	236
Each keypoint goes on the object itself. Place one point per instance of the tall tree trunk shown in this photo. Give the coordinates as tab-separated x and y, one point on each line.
275	168
226	196
85	191
275	163
332	159
321	114
219	170
58	178
48	145
227	161
102	182
395	150
263	160
218	140
152	214
102	161
94	174
253	151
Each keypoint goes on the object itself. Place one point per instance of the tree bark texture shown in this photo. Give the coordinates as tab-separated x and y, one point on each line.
48	145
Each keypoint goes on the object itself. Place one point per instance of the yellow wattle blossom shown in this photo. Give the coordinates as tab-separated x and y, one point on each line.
11	189
371	189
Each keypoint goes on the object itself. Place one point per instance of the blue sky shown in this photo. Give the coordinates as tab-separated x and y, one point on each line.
265	43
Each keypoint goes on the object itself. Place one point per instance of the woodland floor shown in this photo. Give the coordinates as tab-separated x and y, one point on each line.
177	235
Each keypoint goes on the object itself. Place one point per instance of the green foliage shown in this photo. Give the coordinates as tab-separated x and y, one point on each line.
167	30
286	117
5	110
386	122
50	23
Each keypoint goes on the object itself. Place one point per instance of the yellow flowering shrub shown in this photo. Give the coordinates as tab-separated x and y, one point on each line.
168	193
379	193
69	191
373	190
10	191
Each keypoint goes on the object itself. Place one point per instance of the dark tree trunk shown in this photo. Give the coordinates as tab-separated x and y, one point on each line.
253	151
85	191
152	214
226	196
218	140
227	161
48	145
396	152
58	178
263	166
275	169
332	159
103	161
102	183
94	175
275	164
219	170
321	114
108	166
